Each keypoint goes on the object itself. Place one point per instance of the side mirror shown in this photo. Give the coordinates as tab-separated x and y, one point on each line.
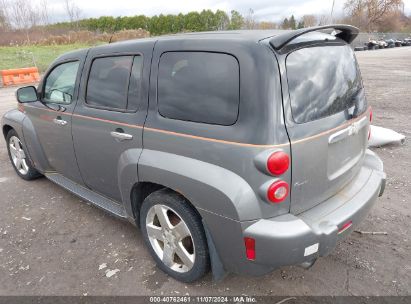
26	94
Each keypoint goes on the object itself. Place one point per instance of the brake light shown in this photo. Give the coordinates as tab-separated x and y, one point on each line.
278	163
277	192
249	248
370	114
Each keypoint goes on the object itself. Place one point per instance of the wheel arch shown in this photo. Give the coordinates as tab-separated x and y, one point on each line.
142	190
6	129
138	194
13	120
208	187
22	124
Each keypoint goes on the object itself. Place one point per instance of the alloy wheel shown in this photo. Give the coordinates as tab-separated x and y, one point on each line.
170	238
17	155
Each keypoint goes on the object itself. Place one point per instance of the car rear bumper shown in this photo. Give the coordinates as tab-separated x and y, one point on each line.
297	239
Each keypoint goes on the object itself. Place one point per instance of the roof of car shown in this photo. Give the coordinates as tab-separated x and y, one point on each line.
252	35
248	36
244	35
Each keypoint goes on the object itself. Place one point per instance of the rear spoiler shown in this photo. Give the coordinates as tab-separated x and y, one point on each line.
346	32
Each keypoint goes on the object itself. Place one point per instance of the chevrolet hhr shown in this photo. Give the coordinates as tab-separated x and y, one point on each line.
232	151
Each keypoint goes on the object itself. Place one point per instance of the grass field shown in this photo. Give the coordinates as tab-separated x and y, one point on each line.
36	55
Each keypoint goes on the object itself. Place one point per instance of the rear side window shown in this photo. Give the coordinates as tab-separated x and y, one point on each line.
323	81
199	87
115	82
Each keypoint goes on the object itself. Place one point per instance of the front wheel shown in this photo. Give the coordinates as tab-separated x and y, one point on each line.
18	157
175	236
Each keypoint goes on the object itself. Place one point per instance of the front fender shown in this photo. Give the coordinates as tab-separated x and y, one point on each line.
13	118
208	187
34	146
22	124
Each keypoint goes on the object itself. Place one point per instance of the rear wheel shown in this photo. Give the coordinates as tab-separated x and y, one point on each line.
174	234
18	157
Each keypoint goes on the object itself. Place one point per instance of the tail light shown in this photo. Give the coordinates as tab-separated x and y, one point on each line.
277	192
278	163
249	248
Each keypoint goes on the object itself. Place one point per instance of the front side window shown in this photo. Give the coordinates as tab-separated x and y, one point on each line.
60	83
199	87
323	81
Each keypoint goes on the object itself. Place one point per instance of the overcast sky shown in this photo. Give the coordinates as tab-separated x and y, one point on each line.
267	10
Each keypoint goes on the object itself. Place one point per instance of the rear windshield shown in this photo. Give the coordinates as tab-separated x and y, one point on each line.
323	81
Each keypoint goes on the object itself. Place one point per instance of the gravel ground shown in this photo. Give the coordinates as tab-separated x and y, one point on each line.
52	243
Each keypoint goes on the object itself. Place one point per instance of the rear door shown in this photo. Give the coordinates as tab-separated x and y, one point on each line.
326	121
108	120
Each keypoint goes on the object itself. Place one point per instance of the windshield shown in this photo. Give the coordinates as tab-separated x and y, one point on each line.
323	81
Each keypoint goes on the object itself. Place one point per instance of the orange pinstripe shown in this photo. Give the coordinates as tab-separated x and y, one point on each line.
201	137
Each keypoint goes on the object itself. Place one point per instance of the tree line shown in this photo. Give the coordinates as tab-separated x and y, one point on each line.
27	17
205	20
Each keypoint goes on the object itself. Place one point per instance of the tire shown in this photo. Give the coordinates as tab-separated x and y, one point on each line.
18	157
188	258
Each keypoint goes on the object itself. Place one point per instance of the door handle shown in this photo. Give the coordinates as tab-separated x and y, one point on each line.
121	136
59	121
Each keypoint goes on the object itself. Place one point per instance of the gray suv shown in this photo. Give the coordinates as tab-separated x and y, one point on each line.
236	151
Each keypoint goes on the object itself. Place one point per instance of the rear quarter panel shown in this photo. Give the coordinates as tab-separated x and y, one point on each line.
214	165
